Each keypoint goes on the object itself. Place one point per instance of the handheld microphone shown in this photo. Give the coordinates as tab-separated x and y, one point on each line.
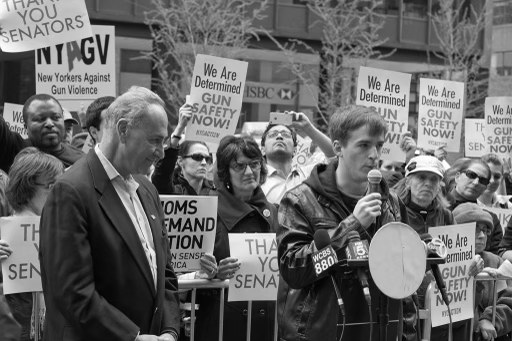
374	179
357	249
428	240
323	257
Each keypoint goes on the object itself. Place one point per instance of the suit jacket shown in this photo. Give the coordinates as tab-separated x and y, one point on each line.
96	278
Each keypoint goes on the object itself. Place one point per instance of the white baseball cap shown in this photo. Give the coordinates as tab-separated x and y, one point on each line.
424	163
68	117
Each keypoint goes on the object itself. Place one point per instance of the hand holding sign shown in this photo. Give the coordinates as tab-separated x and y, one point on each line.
408	145
185	115
208	266
227	268
5	250
300	121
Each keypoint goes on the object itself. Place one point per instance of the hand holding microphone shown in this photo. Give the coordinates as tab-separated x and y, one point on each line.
368	208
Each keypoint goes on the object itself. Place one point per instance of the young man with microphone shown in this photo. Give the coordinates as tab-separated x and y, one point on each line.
336	198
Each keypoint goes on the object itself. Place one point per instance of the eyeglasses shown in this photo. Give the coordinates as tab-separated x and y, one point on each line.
472	175
242	166
482	228
496	176
45	186
284	133
199	158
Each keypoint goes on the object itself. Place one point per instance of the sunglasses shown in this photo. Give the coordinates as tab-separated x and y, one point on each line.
199	158
242	166
472	175
284	133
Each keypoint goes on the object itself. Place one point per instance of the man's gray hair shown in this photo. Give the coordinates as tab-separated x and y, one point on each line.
132	105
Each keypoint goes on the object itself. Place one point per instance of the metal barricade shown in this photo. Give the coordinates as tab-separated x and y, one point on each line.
199	284
484	277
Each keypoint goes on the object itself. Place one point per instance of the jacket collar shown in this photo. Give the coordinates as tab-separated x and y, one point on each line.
232	210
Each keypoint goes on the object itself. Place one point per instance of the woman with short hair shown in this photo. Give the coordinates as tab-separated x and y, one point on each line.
31	178
243	208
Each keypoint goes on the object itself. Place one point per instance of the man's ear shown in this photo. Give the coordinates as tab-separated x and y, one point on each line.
338	149
122	129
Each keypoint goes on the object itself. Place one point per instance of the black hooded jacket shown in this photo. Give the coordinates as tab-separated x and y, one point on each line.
307	305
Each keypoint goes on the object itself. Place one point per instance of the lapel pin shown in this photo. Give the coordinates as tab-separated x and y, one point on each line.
266	213
153	217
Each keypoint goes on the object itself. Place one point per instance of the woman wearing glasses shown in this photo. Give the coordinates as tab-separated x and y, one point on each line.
489	197
470	179
31	177
193	162
243	208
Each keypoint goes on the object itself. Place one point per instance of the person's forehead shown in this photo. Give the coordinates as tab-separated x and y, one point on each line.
494	168
38	107
363	134
479	169
279	127
198	148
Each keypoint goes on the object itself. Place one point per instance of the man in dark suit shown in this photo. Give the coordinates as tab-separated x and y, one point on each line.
105	260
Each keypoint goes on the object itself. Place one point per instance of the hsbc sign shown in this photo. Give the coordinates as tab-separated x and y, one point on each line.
256	92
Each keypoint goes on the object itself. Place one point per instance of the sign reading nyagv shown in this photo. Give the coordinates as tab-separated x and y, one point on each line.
216	96
441	109
30	24
78	72
388	93
498	125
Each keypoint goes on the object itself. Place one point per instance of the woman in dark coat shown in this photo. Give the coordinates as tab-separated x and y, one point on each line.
243	208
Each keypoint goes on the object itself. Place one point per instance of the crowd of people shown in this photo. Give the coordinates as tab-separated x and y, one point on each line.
104	253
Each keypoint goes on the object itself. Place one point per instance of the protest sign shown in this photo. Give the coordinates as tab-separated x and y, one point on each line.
216	96
460	241
474	137
388	93
29	25
191	222
302	153
13	116
503	215
441	109
78	72
21	270
498	127
258	276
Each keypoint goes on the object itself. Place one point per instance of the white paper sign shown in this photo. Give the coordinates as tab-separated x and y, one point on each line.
13	116
78	72
503	214
29	25
191	223
460	241
216	95
474	138
441	109
21	270
258	277
498	125
388	93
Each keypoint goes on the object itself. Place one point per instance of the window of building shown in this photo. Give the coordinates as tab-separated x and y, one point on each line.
502	12
415	9
503	63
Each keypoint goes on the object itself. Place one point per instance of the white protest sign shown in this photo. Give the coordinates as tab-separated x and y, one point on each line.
503	215
498	125
29	25
258	277
191	222
388	93
474	137
441	109
88	144
302	153
460	241
21	270
78	72
13	116
216	95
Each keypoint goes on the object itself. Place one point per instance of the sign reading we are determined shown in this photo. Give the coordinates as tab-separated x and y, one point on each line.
191	222
216	96
440	114
498	125
13	116
387	92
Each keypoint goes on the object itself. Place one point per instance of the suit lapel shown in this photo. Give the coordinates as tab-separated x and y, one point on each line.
156	228
116	212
